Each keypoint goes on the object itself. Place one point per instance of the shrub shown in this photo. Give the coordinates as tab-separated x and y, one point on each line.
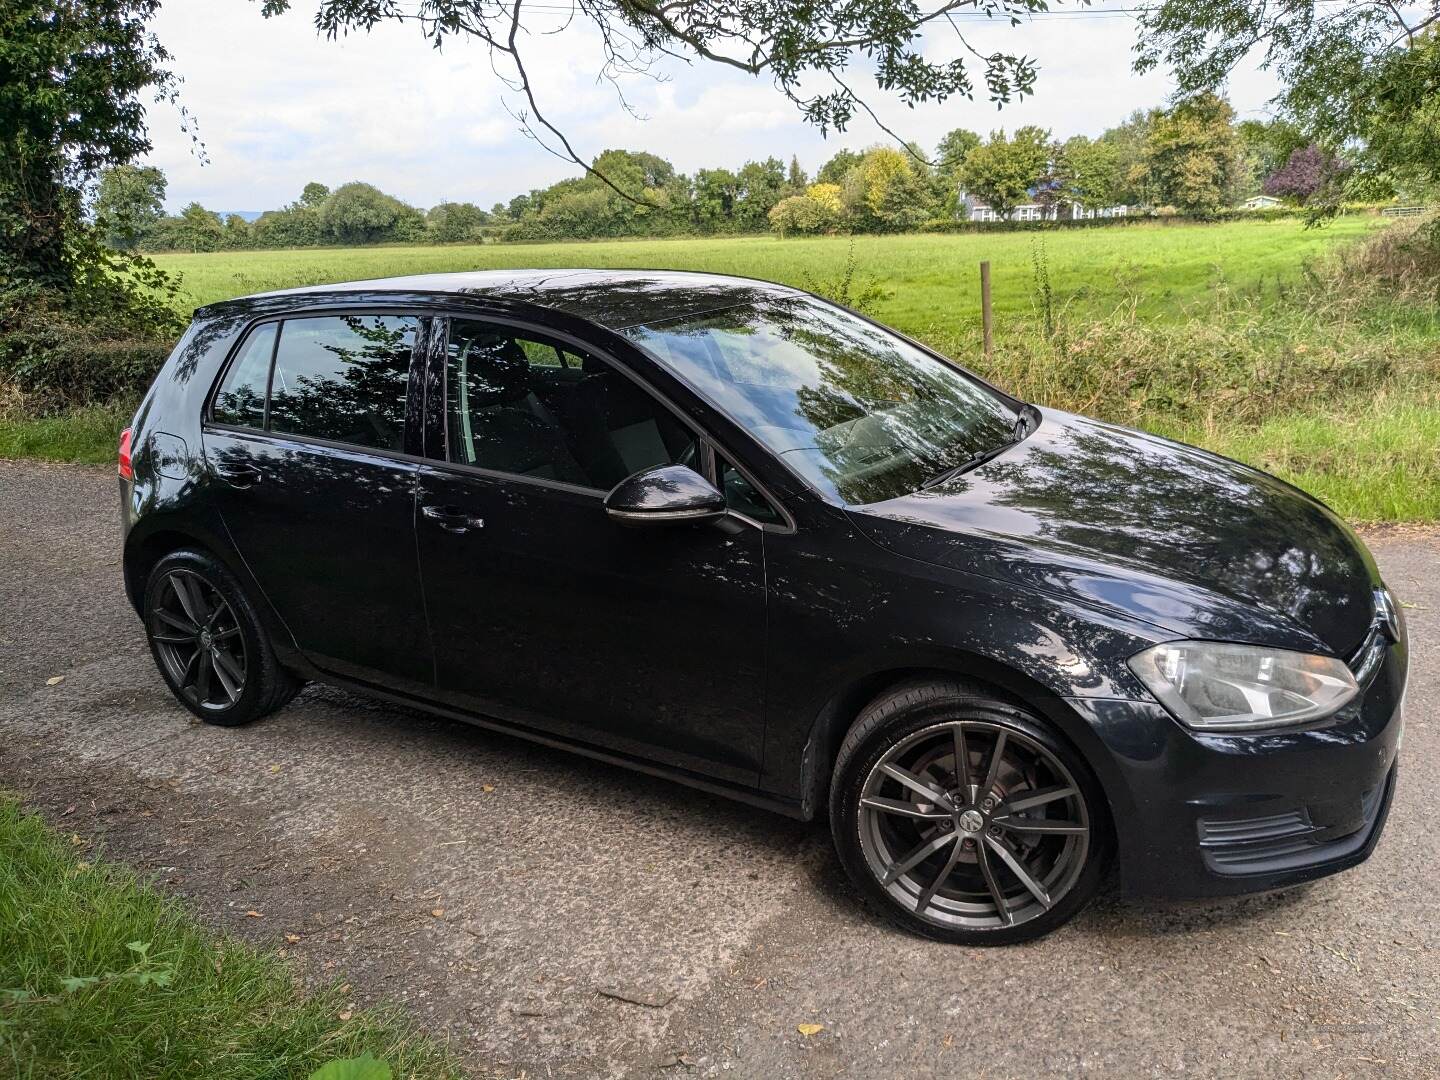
52	359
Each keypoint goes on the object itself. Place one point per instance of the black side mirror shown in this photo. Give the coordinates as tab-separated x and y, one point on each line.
665	495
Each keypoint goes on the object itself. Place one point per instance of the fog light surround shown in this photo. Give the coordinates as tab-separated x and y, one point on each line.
1220	686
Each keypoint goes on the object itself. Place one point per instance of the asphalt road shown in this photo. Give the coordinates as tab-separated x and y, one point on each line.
554	916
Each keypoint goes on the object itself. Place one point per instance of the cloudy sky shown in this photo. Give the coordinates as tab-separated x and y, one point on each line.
277	106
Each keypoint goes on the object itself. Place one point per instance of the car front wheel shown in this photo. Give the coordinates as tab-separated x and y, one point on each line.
965	818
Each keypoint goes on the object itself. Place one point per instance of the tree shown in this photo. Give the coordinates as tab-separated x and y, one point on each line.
715	192
73	78
1193	155
1096	172
1267	146
1003	171
129	201
798	47
895	191
761	184
801	214
237	233
294	226
358	213
795	179
1130	140
1364	73
451	222
953	149
950	155
835	170
196	229
1309	172
313	194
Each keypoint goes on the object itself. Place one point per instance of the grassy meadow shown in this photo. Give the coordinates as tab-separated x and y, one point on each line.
1262	340
933	280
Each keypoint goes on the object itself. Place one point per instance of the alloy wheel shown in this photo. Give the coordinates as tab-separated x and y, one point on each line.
974	825
198	639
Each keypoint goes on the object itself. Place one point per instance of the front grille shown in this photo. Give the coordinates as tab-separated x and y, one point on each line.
1296	837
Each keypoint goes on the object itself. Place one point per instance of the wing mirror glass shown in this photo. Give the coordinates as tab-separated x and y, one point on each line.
665	495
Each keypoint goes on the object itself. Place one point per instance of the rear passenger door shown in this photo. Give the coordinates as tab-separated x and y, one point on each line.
308	437
545	612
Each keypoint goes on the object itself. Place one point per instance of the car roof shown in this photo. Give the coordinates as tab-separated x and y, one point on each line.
614	299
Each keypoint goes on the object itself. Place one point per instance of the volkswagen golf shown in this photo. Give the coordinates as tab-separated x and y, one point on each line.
726	532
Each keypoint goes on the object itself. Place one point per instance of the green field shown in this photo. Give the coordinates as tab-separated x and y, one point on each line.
1262	340
933	279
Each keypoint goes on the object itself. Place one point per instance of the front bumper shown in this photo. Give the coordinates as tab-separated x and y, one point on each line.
1214	815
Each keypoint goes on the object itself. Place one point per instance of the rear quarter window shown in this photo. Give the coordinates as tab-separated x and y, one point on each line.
241	397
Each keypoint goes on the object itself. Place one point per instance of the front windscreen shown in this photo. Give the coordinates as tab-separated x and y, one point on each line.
860	413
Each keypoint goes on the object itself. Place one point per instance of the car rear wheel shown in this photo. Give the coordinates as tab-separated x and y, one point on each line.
208	643
965	818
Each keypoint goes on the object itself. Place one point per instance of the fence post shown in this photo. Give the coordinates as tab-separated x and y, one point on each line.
985	304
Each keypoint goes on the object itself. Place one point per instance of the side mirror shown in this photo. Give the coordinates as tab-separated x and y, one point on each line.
665	495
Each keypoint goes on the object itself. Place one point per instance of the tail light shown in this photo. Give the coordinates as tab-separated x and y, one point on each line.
127	472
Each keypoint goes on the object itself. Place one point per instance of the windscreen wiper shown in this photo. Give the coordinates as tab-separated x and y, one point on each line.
1027	417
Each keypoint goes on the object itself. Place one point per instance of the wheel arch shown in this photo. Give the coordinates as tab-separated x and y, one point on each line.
144	549
142	552
839	712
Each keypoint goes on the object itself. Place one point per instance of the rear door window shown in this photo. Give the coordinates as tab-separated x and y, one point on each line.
344	378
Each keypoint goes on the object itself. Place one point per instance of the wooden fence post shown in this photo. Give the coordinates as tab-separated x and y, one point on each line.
985	304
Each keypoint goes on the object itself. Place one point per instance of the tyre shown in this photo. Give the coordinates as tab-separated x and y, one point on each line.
208	643
965	818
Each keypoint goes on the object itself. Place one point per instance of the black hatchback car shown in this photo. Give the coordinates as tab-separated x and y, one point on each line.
724	531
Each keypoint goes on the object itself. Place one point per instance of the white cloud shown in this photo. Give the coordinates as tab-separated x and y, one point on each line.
278	106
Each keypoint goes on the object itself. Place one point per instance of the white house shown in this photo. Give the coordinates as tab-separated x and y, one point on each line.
976	210
1260	202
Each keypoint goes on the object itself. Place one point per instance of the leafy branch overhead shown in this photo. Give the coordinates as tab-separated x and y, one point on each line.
1363	73
808	50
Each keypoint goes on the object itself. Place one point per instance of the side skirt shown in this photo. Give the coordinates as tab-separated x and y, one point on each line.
790	808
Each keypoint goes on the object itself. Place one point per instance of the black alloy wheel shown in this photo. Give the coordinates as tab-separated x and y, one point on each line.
208	643
198	642
965	817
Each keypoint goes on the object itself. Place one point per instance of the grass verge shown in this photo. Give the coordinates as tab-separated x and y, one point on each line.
102	976
88	434
1376	461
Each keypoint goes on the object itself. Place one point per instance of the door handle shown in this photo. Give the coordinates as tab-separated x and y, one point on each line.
452	518
239	474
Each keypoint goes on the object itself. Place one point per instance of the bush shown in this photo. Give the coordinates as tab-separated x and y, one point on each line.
52	359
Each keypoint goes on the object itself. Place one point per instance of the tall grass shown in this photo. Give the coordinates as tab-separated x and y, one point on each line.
101	976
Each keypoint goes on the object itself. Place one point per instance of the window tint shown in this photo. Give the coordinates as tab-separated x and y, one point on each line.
241	399
533	408
742	496
343	378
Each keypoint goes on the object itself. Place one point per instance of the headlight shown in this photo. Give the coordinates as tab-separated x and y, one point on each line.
1214	686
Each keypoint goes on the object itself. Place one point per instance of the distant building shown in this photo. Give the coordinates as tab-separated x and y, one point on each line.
976	210
1260	202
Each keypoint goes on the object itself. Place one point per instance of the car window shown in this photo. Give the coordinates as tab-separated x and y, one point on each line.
859	412
742	496
343	378
241	398
518	404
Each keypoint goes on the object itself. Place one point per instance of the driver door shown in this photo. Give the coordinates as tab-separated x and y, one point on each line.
544	612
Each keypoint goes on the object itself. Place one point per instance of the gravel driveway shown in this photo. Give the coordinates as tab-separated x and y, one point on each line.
555	916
